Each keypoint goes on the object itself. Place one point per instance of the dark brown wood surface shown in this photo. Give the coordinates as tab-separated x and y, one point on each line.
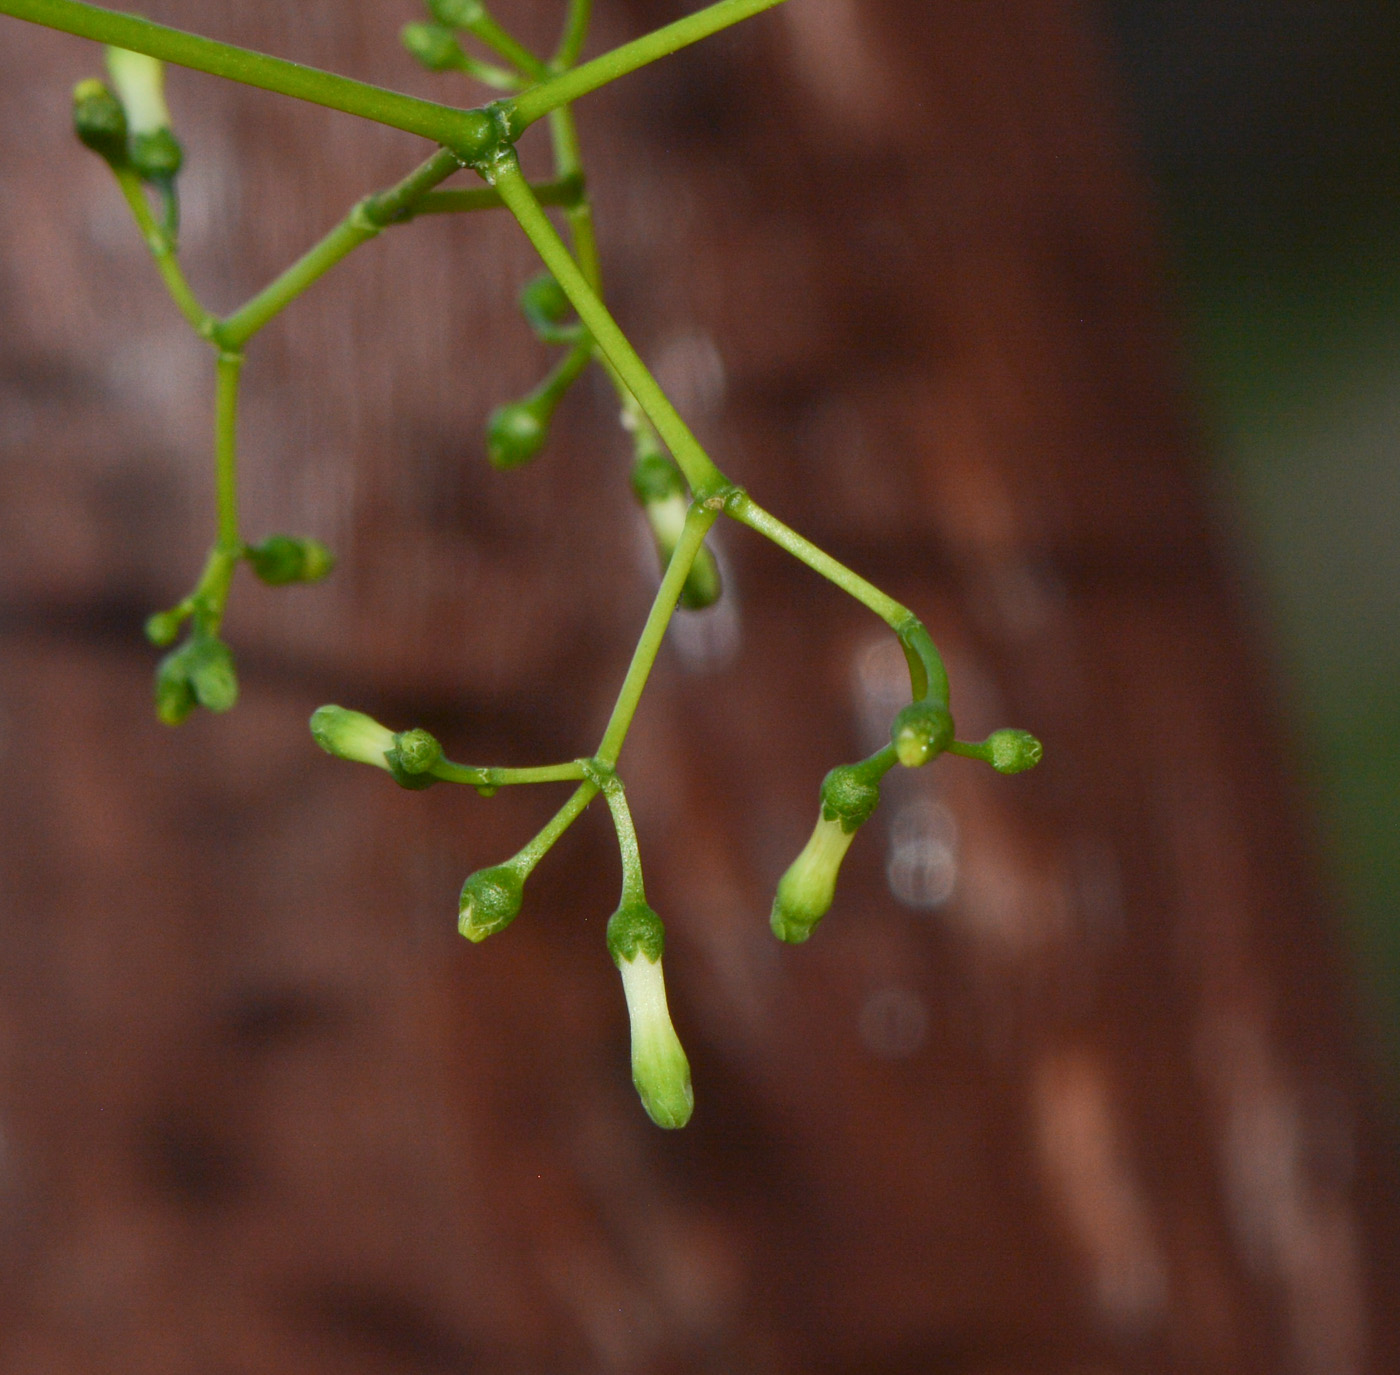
1066	1081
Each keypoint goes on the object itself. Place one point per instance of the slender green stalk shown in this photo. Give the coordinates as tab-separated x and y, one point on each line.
748	512
568	162
230	367
509	47
163	252
530	105
564	191
500	777
633	889
575	31
363	222
694	462
531	854
697	523
469	131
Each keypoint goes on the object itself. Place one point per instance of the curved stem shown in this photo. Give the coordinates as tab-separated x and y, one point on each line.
633	889
697	523
163	252
530	855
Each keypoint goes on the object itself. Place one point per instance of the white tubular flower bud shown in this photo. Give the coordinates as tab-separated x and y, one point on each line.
806	891
140	83
352	735
659	1067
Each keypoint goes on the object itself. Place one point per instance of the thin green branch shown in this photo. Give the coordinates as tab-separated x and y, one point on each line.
530	855
530	105
564	191
697	523
694	462
633	889
163	253
470	131
509	47
575	31
493	777
230	367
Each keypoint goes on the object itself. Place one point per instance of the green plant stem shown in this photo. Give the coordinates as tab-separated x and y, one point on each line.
528	106
163	252
564	191
508	47
500	777
363	222
531	854
568	163
230	368
464	129
694	462
748	512
571	40
633	889
697	524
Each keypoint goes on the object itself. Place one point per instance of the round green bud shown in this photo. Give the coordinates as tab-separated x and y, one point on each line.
163	626
282	559
655	478
174	695
635	929
413	754
660	1071
922	731
209	666
490	900
99	121
849	797
515	433
156	155
1013	751
702	584
548	310
808	888
457	14
352	735
432	45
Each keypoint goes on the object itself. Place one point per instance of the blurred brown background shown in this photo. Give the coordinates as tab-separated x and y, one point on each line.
1069	1079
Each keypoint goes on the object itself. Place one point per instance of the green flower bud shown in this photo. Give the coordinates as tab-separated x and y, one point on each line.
199	672
547	310
457	14
517	431
157	156
1013	751
413	754
174	695
489	902
163	626
666	516
805	893
352	735
99	121
660	1071
848	796
432	45
655	477
282	559
920	732
140	83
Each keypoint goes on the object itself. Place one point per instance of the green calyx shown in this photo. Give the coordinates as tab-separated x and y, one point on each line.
808	888
432	45
154	151
922	731
157	155
100	122
490	900
199	673
635	930
282	559
410	757
850	793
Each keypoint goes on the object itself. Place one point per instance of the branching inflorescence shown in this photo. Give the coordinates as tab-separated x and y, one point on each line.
678	486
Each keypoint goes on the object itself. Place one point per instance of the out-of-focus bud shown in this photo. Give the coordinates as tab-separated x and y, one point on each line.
174	695
660	1071
199	672
547	310
849	795
1013	751
922	731
352	735
99	121
282	559
140	81
805	893
490	900
458	14
432	45
163	626
659	486
517	431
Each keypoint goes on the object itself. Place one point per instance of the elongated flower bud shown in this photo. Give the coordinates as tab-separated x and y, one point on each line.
352	735
282	559
140	81
922	731
99	121
490	900
660	1071
806	892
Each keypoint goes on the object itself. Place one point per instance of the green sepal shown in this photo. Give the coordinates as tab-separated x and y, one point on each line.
99	121
547	310
922	731
457	14
414	752
635	929
432	45
517	431
282	559
490	900
849	796
1013	751
157	155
